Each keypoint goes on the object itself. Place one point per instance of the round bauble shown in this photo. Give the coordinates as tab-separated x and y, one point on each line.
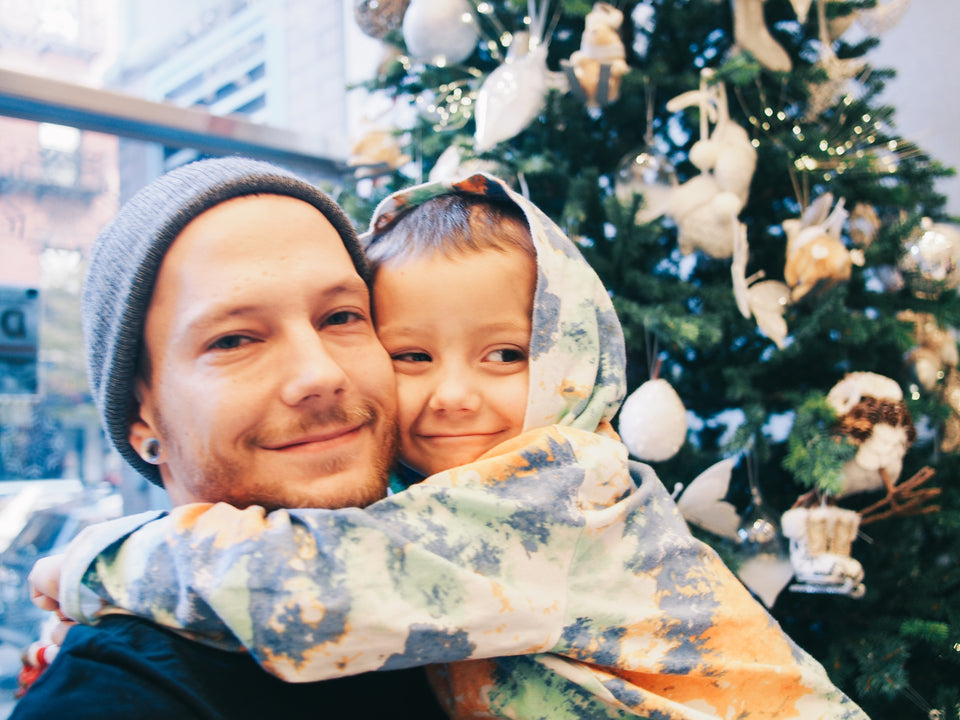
442	32
649	174
653	421
379	18
931	261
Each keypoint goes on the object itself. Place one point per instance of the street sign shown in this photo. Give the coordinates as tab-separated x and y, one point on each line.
19	340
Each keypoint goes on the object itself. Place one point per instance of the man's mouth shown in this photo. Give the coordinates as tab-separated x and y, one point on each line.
329	436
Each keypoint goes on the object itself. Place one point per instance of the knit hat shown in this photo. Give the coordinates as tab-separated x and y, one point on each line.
126	258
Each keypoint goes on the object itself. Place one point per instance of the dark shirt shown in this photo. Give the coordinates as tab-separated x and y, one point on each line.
126	668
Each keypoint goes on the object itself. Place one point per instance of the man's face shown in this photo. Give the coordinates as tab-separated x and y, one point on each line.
267	384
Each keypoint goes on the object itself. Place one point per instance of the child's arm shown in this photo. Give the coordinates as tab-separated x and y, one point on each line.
432	575
471	563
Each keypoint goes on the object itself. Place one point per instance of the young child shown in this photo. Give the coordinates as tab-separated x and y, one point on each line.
535	569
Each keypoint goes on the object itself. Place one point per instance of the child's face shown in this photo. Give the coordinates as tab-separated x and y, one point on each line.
458	330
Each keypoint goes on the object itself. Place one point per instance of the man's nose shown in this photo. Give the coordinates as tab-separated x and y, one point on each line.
456	391
310	370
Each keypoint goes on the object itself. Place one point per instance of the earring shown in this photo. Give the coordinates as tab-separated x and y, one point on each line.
150	451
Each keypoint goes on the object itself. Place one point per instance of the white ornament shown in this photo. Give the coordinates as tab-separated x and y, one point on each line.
847	393
653	421
750	30
766	575
764	567
882	18
702	502
824	95
512	95
820	542
875	21
452	166
931	262
764	561
442	32
766	300
801	8
879	458
706	206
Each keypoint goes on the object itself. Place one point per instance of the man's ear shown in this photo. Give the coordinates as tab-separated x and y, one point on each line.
142	423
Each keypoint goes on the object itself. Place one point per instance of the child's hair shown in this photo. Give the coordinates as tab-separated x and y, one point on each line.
453	224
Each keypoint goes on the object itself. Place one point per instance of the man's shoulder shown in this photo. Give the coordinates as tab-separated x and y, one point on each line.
128	667
110	671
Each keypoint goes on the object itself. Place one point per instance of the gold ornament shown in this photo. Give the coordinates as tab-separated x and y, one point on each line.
377	152
379	18
596	68
816	256
864	225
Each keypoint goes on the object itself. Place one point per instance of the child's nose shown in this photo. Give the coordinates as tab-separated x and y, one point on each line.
456	391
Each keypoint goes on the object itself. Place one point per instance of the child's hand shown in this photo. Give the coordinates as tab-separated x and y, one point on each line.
44	582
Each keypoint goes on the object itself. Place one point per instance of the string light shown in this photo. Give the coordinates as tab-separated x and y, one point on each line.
450	106
854	141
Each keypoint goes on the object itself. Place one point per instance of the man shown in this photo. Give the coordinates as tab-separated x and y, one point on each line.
232	356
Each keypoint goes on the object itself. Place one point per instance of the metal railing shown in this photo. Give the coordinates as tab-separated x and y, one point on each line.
31	97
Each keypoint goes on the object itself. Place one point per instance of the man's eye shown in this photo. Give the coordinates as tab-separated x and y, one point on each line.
230	342
412	356
506	355
342	317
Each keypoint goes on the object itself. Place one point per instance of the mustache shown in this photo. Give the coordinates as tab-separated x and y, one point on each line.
316	421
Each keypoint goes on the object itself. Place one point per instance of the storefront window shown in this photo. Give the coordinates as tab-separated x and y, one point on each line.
67	164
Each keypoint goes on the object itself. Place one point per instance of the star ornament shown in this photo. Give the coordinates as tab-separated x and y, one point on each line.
826	94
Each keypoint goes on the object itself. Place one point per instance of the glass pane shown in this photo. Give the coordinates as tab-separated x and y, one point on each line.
279	64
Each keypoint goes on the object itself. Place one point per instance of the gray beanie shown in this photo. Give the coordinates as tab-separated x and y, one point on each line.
126	258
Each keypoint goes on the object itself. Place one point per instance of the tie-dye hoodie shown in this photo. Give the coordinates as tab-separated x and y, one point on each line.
550	578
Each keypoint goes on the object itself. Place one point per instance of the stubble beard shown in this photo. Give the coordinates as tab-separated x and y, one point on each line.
219	478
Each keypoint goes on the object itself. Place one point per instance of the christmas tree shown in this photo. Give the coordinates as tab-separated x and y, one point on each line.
783	268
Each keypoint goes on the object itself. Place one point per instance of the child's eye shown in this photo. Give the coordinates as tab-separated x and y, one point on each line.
506	355
412	356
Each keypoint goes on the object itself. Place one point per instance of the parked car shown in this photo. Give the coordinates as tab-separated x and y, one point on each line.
45	532
19	499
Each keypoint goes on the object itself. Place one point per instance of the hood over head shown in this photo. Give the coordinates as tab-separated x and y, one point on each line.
577	355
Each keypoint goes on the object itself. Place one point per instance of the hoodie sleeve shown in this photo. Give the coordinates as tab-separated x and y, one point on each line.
470	563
